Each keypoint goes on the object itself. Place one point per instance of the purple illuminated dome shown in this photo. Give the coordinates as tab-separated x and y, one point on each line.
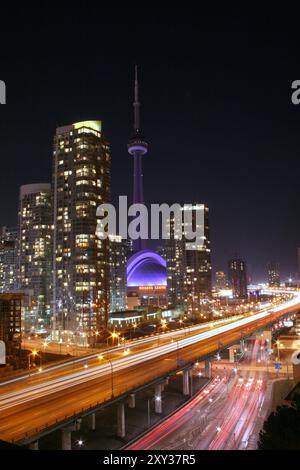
146	268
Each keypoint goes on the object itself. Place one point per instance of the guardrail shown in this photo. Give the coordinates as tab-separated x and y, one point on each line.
54	424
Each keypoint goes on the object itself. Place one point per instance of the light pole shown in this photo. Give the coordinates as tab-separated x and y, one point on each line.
287	370
100	357
199	375
149	408
177	352
149	415
162	326
113	336
45	344
278	349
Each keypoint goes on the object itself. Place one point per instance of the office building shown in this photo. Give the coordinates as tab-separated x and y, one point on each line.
81	182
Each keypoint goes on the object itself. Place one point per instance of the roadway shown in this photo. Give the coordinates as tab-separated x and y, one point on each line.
222	416
34	403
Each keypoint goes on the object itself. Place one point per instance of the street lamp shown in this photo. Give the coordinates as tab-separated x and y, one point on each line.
33	354
113	336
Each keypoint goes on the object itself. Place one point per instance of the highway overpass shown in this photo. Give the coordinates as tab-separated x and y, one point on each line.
32	407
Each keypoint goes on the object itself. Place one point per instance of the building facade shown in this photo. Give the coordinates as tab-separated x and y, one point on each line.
221	281
8	259
118	255
81	181
237	276
198	280
34	251
10	323
188	270
273	275
174	254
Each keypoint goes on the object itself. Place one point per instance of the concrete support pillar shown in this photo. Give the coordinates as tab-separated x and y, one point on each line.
242	345
167	381
92	421
157	399
121	420
231	353
268	337
131	400
191	383
34	445
207	368
66	437
186	382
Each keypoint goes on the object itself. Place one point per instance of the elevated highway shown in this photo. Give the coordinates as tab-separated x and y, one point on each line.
33	406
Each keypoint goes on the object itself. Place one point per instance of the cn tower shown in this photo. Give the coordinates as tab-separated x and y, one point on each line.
137	147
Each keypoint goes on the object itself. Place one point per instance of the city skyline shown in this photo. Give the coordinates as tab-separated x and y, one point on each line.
229	131
149	232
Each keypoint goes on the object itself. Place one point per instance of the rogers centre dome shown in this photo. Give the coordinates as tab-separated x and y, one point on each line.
146	268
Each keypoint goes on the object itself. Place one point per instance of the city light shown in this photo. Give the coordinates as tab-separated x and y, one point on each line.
128	325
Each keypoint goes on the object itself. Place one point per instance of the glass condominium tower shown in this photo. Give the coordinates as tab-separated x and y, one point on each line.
81	181
34	251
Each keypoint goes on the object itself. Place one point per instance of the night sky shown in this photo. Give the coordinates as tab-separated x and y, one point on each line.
216	111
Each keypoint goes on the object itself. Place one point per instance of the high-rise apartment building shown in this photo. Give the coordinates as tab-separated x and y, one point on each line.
81	181
237	276
34	250
174	254
8	274
188	270
118	255
198	265
273	274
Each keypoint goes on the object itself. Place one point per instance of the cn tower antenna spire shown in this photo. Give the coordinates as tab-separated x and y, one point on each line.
136	104
138	148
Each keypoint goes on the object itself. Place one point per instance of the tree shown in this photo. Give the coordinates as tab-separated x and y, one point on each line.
282	428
